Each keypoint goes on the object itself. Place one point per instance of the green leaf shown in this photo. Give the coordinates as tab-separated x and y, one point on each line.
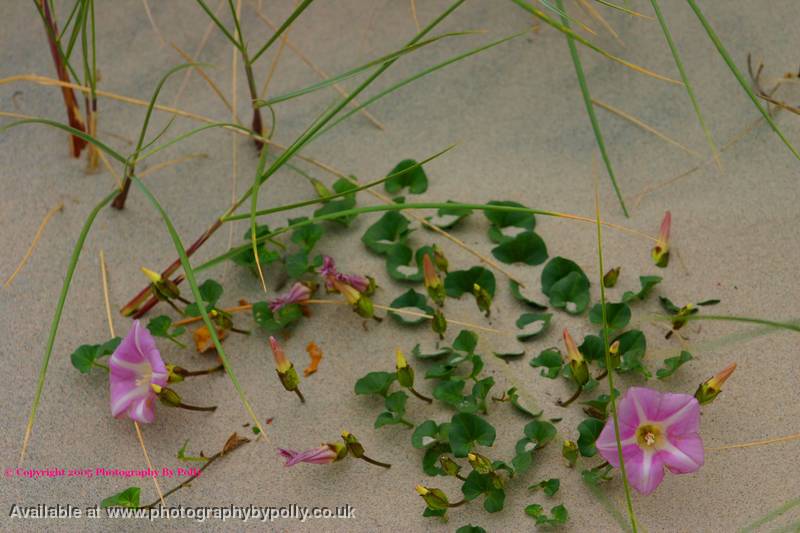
483	484
632	348
589	430
617	315
430	461
85	356
159	326
210	292
396	402
672	364
412	301
466	341
647	283
450	392
187	458
668	306
593	348
278	321
513	397
389	230
549	486
459	282
297	264
306	236
342	204
523	459
532	325
398	262
566	285
415	179
598	408
425	434
527	248
541	432
516	292
127	498
551	362
469	528
506	225
449	217
467	430
558	514
438	353
387	418
375	383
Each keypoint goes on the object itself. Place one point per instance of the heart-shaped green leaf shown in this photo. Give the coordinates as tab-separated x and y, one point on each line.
391	229
407	173
527	248
459	282
410	300
532	325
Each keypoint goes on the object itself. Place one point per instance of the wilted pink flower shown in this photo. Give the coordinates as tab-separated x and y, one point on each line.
297	294
656	430
318	456
329	272
134	366
660	252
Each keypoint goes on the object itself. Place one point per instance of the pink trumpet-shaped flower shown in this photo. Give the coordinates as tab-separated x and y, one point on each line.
318	456
134	366
330	274
656	430
299	293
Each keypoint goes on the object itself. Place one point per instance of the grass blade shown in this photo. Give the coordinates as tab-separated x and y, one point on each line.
190	278
568	31
220	25
416	77
62	297
288	22
678	63
610	373
587	101
739	77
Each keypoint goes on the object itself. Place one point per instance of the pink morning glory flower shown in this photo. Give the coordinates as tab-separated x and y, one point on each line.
134	366
656	431
318	456
297	294
330	274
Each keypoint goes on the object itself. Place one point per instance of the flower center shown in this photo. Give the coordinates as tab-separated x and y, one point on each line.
648	435
146	377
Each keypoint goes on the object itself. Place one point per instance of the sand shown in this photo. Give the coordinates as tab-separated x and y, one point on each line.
516	115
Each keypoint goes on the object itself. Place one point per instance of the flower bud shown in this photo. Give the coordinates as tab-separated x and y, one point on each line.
364	308
570	451
482	298
353	445
613	354
166	395
577	364
153	276
163	289
286	372
610	279
480	463
175	374
340	449
320	188
681	317
405	374
449	467
660	252
433	283
372	285
439	259
350	294
435	499
710	389
439	323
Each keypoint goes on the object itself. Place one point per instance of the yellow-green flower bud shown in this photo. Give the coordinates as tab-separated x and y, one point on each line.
577	364
175	373
435	499
433	283
710	389
449	467
570	451
480	463
439	259
353	445
482	298
166	395
610	278
405	374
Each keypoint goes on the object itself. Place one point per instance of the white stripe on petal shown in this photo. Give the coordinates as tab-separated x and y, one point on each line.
678	455
123	401
676	416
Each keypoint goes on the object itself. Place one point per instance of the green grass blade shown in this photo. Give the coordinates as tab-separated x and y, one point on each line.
748	320
610	372
739	77
192	280
283	27
62	297
568	31
416	77
220	25
72	131
772	515
587	101
678	63
354	71
194	131
623	9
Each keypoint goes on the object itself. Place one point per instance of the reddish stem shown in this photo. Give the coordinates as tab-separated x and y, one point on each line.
70	102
